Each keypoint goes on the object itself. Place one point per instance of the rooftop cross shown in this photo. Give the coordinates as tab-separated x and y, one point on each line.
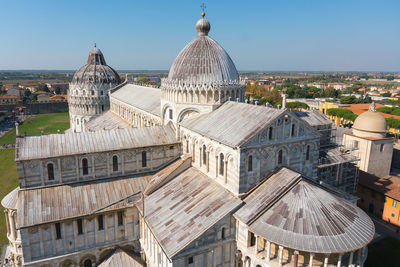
203	7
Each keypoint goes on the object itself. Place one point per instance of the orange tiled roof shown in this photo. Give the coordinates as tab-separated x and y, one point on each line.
41	92
361	108
389	185
9	96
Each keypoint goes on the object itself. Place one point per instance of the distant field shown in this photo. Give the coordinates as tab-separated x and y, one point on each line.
49	123
383	253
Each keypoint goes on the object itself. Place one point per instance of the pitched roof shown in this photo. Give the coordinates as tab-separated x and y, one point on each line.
313	117
389	185
184	208
49	204
56	145
304	216
106	121
121	259
141	97
233	123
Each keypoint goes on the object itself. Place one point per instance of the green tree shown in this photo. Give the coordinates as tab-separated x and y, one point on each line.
57	90
351	99
331	92
43	87
143	80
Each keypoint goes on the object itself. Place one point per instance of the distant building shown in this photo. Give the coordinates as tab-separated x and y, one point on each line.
338	86
318	85
9	99
43	98
56	98
54	86
16	91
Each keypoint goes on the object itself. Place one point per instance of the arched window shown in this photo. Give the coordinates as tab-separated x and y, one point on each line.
87	108
221	164
223	233
204	155
293	128
187	146
85	167
280	157
250	163
50	171
87	263
308	153
102	107
115	163
92	92
271	130
101	92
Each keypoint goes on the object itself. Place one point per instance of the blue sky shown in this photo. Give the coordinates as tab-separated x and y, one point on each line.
339	35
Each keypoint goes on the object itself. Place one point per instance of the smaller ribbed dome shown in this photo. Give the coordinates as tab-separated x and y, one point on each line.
370	124
96	71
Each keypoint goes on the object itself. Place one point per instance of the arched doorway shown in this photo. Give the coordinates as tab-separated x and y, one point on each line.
87	263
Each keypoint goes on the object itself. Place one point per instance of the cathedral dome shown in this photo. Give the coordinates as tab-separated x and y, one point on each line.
203	60
370	123
96	71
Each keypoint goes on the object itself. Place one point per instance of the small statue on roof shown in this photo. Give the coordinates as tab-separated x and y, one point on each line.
372	107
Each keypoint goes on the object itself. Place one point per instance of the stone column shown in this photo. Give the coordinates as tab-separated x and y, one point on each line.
201	158
226	171
208	161
216	166
7	222
311	259
339	262
296	258
268	251
351	259
326	260
193	152
280	255
13	231
359	254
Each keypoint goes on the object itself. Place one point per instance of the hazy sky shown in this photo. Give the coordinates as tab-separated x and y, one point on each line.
259	35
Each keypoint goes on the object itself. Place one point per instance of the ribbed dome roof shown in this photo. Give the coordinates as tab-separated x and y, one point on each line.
96	71
371	121
203	60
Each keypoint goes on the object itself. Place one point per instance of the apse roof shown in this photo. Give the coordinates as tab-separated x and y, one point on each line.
295	212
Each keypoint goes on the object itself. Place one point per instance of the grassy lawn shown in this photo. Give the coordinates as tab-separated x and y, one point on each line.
8	181
383	253
49	123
